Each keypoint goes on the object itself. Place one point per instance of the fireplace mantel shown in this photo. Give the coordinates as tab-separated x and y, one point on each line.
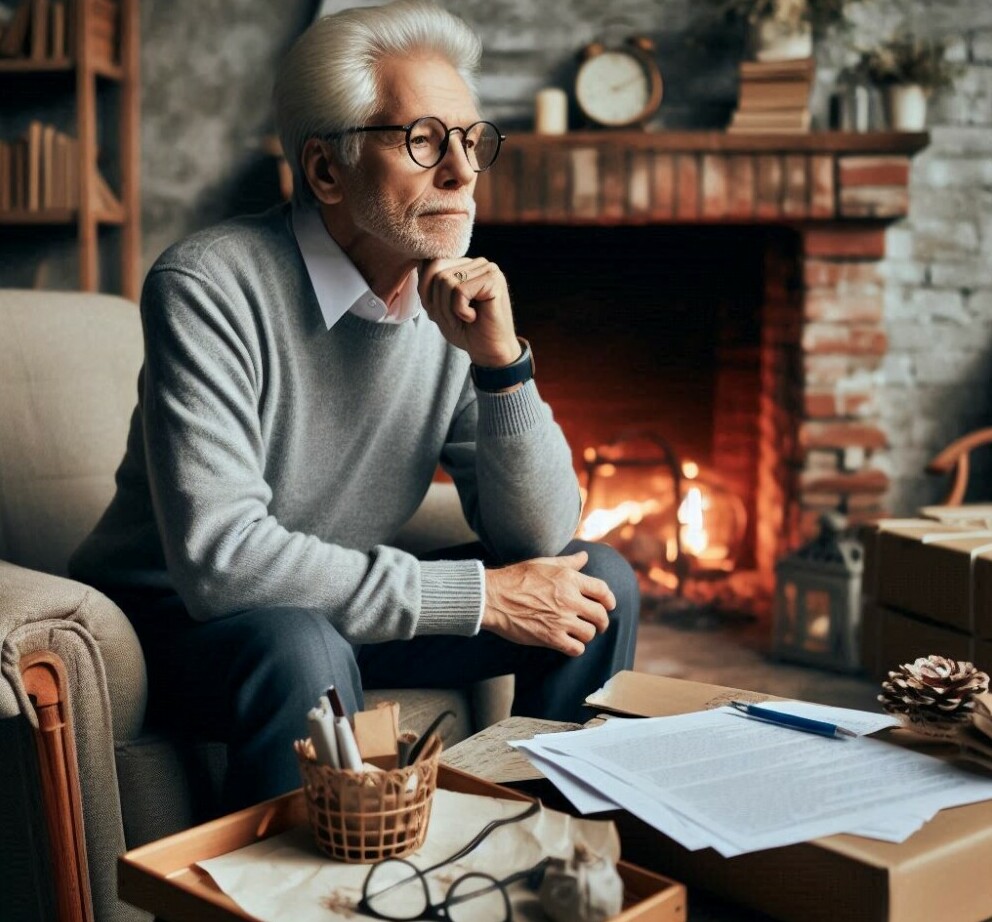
664	177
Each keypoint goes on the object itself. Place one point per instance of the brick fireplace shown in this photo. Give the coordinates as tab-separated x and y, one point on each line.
796	224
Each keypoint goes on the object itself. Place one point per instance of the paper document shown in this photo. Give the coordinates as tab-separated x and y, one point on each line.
722	780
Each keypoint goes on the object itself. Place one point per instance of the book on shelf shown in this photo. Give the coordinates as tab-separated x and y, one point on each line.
40	171
781	122
39	30
57	25
15	35
43	30
773	95
801	69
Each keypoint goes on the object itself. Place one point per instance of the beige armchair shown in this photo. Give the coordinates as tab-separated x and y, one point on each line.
80	778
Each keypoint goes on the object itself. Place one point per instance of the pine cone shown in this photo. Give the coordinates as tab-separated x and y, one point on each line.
934	695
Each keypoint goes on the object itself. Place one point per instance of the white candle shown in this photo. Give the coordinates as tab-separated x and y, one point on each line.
551	111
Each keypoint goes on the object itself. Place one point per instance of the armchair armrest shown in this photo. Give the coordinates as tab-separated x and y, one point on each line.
72	670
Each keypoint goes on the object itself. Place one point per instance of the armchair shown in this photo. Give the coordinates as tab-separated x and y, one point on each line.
81	778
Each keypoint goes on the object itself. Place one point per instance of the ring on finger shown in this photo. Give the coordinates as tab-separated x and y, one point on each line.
460	275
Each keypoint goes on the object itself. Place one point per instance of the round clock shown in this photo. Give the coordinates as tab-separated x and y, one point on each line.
618	87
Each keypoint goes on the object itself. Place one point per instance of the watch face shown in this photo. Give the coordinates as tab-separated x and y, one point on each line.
613	88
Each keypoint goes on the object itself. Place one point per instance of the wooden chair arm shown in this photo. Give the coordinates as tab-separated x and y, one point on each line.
46	682
955	458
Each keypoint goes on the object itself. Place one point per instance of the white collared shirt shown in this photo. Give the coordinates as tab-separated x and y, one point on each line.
340	288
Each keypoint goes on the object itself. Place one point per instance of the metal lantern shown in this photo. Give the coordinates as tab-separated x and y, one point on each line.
818	599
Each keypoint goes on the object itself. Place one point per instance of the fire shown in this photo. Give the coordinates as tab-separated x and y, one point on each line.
693	534
601	522
693	539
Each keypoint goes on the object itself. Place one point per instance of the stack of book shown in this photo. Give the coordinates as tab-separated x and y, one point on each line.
40	171
774	97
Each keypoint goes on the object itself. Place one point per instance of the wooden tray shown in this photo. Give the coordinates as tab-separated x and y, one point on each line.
162	877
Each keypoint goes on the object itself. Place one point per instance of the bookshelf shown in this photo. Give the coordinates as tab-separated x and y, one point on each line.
85	51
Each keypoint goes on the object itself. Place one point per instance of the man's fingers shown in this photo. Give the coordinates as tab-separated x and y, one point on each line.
596	589
585	627
595	615
570	646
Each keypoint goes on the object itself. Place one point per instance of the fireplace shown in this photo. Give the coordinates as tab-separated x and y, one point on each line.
720	291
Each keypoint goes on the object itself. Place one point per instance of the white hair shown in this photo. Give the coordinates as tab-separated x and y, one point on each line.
329	80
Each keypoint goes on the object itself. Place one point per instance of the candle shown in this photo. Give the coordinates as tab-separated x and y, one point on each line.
551	111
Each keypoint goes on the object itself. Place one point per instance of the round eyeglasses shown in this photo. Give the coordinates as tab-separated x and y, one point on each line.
427	141
397	891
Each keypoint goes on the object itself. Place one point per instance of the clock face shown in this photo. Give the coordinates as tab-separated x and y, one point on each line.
614	88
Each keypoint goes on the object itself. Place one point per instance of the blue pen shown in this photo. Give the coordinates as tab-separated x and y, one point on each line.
807	725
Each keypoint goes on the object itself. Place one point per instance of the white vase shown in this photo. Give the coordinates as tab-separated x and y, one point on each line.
771	41
907	107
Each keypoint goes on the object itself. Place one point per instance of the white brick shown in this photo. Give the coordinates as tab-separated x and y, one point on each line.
980	303
935	238
961	140
966	273
906	271
959	173
940	304
981	47
899	369
907	336
899	242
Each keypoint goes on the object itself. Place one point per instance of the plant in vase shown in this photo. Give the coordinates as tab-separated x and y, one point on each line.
783	30
908	69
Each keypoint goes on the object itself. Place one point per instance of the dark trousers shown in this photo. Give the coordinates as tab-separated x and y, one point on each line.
250	679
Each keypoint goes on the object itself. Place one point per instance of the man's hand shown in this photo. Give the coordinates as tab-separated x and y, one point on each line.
468	299
547	602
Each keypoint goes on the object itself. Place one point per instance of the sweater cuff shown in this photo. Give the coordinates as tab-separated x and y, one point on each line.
510	413
451	597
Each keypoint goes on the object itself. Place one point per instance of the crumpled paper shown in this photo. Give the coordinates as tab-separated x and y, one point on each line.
286	877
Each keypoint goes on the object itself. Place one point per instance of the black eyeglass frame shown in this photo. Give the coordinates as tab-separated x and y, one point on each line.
438	911
443	149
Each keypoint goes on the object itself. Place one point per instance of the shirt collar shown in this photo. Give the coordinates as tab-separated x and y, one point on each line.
338	285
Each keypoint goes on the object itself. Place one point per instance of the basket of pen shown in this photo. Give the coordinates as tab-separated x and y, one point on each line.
377	807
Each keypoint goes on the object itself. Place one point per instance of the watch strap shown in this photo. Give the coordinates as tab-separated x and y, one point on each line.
498	379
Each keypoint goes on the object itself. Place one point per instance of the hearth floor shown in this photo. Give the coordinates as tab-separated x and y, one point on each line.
736	654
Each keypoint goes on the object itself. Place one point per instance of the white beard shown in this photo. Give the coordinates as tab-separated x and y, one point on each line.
443	238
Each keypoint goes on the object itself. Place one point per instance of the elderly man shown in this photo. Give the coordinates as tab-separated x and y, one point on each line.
305	372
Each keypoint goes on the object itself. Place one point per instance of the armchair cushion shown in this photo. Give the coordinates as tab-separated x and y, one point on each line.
68	374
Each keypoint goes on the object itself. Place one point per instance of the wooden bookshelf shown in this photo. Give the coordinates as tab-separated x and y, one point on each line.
93	43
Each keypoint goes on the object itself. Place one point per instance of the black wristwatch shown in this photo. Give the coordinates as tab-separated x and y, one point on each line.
498	379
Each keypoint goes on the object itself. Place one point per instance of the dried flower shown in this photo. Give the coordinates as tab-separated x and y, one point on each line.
908	60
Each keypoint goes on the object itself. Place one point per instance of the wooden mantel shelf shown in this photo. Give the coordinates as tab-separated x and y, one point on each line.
712	176
845	142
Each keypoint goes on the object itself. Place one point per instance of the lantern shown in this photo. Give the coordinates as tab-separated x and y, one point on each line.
818	599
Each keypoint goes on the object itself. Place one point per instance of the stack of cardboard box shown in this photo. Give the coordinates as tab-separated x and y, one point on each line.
927	589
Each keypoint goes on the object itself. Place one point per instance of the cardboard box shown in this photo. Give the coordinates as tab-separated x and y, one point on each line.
890	638
933	570
940	874
162	876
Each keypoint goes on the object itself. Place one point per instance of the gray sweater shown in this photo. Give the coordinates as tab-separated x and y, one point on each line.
271	461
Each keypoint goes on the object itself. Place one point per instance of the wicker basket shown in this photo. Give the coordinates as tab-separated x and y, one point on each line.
361	817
